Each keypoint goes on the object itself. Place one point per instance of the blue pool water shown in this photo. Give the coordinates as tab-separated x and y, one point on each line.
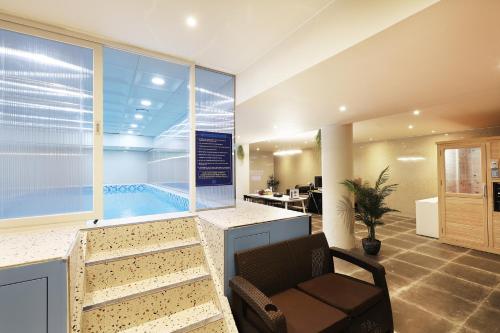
141	199
119	201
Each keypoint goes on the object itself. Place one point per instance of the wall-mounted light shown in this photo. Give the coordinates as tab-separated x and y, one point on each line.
287	152
411	158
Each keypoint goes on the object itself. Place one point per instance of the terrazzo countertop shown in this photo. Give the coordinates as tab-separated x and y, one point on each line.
246	213
23	246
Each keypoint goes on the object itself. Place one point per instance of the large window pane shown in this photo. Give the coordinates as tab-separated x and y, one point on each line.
146	135
46	127
215	127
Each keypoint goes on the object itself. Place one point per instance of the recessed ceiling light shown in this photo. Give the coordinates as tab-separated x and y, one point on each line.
191	21
258	149
343	108
416	112
145	102
410	126
275	126
130	132
138	116
158	81
133	125
433	131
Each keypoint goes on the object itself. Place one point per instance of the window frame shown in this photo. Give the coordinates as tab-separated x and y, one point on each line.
97	162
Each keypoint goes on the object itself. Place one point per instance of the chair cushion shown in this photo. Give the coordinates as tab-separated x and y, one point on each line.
305	314
345	293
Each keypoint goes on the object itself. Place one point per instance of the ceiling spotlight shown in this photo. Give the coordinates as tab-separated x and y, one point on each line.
145	102
191	21
133	125
410	126
287	152
138	116
158	81
433	131
258	149
343	108
130	132
416	112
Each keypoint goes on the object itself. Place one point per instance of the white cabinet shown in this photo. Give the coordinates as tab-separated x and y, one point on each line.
427	217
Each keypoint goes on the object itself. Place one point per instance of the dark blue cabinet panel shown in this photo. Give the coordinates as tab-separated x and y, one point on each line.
33	298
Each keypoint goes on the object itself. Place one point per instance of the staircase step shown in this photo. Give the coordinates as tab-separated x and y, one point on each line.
180	322
116	294
101	257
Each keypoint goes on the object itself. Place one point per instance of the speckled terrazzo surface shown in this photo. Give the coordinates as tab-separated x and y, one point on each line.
246	213
27	246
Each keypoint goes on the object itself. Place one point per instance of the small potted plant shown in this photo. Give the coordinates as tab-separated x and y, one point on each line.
370	206
273	183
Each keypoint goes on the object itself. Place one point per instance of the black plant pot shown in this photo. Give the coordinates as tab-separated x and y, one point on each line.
371	246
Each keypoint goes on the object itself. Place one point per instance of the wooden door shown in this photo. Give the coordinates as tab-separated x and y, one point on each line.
495	215
463	196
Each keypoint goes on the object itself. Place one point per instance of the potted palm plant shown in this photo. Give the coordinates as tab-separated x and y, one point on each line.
370	206
273	183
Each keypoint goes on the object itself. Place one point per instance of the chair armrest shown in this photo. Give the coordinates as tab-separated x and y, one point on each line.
260	303
377	270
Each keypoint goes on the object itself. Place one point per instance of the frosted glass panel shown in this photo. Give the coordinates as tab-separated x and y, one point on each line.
463	170
46	122
215	114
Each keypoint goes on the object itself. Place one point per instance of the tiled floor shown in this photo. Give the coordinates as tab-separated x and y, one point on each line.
434	287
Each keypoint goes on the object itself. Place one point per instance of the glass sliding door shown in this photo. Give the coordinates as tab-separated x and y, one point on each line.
47	116
214	126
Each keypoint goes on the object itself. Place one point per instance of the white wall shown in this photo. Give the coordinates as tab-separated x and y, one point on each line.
243	173
261	167
125	167
297	169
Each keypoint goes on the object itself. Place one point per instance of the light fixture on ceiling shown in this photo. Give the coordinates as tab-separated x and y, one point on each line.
130	132
445	134
138	116
275	126
342	108
416	112
257	149
145	102
410	126
433	131
411	158
133	125
191	21
287	152
158	81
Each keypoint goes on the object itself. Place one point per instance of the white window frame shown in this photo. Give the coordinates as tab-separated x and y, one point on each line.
97	163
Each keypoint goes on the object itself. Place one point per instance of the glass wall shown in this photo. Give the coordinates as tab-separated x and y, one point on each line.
214	139
46	127
146	135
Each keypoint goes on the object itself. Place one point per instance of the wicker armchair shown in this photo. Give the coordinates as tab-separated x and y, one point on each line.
292	287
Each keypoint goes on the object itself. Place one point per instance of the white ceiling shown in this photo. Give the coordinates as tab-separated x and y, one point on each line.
444	60
230	34
127	82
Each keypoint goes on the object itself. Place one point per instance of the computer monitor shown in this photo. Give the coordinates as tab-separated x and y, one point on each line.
318	182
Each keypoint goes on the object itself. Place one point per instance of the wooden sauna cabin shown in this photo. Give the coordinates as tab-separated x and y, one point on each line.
469	193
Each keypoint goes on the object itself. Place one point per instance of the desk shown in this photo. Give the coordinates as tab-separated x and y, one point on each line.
284	199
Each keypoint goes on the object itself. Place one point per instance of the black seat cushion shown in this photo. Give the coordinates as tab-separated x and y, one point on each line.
305	314
345	293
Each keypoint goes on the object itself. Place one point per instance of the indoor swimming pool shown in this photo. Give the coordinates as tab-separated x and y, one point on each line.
140	199
119	201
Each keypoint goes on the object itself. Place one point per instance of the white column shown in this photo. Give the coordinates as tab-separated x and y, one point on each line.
336	165
243	173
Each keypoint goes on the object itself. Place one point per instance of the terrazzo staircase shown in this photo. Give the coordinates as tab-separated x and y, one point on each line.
151	277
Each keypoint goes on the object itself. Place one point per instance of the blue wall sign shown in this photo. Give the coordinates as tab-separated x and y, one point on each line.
214	159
